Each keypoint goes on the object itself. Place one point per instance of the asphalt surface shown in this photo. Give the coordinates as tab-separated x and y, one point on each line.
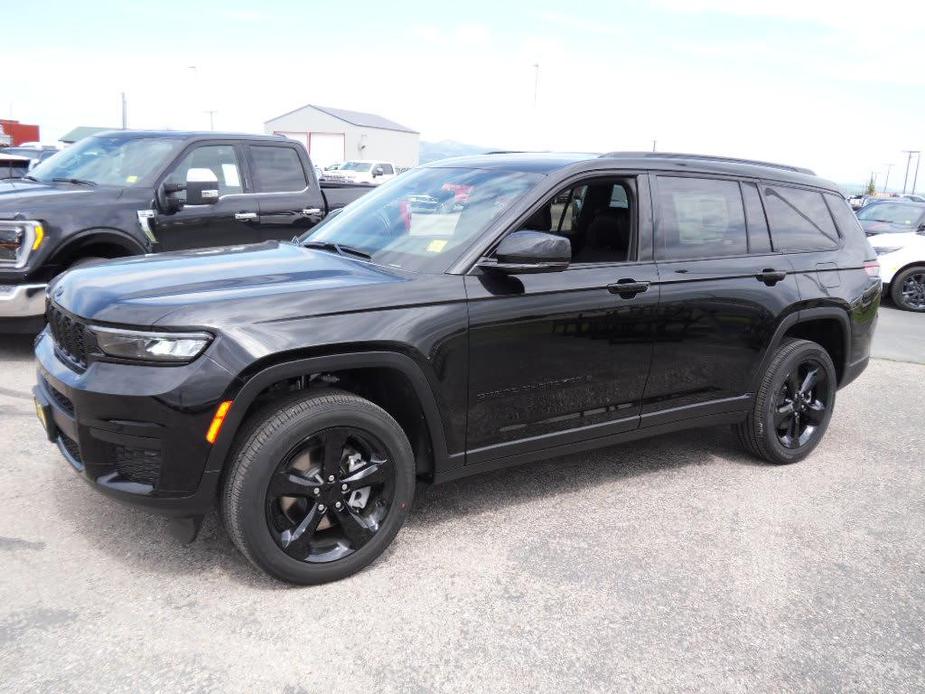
677	563
900	335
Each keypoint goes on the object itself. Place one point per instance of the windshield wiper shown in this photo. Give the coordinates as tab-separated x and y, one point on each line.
30	178
338	248
78	181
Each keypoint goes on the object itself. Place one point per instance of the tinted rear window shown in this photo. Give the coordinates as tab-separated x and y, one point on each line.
799	219
699	218
277	169
759	240
845	219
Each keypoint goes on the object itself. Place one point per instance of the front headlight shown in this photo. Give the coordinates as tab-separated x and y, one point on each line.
17	240
144	346
884	250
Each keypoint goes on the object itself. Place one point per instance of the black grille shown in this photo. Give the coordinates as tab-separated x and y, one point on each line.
63	401
137	464
70	445
70	336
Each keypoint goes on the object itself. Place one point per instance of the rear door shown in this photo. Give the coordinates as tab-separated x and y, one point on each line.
289	197
230	220
723	290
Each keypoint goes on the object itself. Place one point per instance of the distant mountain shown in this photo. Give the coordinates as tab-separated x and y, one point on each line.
432	151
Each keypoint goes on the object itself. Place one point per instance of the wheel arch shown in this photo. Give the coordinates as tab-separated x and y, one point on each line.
382	377
829	326
111	242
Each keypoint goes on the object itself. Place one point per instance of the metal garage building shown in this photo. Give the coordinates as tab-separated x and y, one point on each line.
333	135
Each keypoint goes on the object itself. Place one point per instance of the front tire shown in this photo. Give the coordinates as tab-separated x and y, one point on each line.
318	487
793	405
908	289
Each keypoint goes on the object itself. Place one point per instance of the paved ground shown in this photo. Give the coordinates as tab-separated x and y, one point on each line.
900	335
677	563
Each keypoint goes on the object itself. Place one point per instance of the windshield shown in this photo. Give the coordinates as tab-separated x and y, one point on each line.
894	213
113	160
355	166
423	219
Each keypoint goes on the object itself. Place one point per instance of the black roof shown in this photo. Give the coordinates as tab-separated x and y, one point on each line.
549	162
192	135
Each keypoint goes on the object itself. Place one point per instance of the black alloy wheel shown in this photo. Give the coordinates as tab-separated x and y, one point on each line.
908	289
801	404
319	484
328	497
794	401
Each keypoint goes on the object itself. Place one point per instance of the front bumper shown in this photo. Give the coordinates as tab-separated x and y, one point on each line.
136	433
22	300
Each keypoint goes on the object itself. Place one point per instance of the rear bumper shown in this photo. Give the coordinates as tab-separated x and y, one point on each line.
135	433
22	300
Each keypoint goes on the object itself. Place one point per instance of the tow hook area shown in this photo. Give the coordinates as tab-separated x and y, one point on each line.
185	529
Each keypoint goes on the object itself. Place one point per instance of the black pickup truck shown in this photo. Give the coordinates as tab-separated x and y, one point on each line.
124	193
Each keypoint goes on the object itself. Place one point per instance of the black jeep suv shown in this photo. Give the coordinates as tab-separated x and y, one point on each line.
472	314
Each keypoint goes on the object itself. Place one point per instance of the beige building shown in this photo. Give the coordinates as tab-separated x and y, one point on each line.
334	135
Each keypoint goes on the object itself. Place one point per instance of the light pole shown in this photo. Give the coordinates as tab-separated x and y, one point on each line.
536	82
909	153
915	177
886	181
211	119
124	112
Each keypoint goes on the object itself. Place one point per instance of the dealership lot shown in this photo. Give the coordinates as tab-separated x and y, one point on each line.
672	563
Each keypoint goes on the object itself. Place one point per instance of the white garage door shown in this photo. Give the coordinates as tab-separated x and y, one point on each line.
326	148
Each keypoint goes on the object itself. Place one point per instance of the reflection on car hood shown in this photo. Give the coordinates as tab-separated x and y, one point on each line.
218	286
24	197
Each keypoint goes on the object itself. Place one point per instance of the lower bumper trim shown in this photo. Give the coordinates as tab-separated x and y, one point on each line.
22	300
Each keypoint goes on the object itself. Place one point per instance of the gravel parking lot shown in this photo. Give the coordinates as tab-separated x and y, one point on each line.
675	563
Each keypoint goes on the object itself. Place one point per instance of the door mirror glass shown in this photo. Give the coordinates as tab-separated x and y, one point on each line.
201	187
377	171
526	251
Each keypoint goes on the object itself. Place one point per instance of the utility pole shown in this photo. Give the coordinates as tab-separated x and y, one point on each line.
886	181
908	153
915	178
211	119
536	82
124	112
653	144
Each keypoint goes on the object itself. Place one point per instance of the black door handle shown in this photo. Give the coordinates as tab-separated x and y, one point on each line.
770	276
627	288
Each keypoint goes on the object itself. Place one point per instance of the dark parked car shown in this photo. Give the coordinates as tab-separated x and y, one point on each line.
16	162
124	193
305	388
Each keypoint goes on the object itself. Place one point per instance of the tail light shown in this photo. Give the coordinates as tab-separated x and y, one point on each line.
872	268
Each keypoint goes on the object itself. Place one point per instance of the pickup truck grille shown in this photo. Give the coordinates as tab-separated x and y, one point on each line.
70	336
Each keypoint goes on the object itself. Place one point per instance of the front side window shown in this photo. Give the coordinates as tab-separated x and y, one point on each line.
423	220
277	169
387	169
799	219
220	160
595	216
115	160
699	218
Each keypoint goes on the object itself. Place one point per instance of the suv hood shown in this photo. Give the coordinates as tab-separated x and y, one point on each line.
216	287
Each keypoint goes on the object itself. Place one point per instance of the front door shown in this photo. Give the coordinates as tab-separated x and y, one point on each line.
560	357
231	220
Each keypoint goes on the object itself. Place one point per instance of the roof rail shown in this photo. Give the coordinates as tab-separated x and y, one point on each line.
708	157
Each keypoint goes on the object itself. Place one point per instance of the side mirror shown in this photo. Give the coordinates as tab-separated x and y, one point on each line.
527	252
201	187
378	171
921	229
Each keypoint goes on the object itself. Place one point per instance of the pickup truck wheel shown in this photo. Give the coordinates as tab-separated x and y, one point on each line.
908	289
793	405
318	487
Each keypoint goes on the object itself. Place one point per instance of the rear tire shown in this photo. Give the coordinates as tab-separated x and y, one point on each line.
793	405
907	290
283	510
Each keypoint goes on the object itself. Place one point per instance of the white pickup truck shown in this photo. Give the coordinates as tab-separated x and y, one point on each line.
370	171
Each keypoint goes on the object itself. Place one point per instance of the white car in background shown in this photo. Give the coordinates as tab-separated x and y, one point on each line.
369	171
896	230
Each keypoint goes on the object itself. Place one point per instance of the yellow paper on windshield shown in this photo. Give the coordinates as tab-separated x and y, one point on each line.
436	245
131	179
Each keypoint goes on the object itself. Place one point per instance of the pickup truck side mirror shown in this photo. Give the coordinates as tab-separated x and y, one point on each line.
527	252
378	171
201	187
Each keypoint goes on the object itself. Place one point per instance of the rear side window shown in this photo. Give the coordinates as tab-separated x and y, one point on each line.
799	219
845	219
699	218
759	239
277	169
